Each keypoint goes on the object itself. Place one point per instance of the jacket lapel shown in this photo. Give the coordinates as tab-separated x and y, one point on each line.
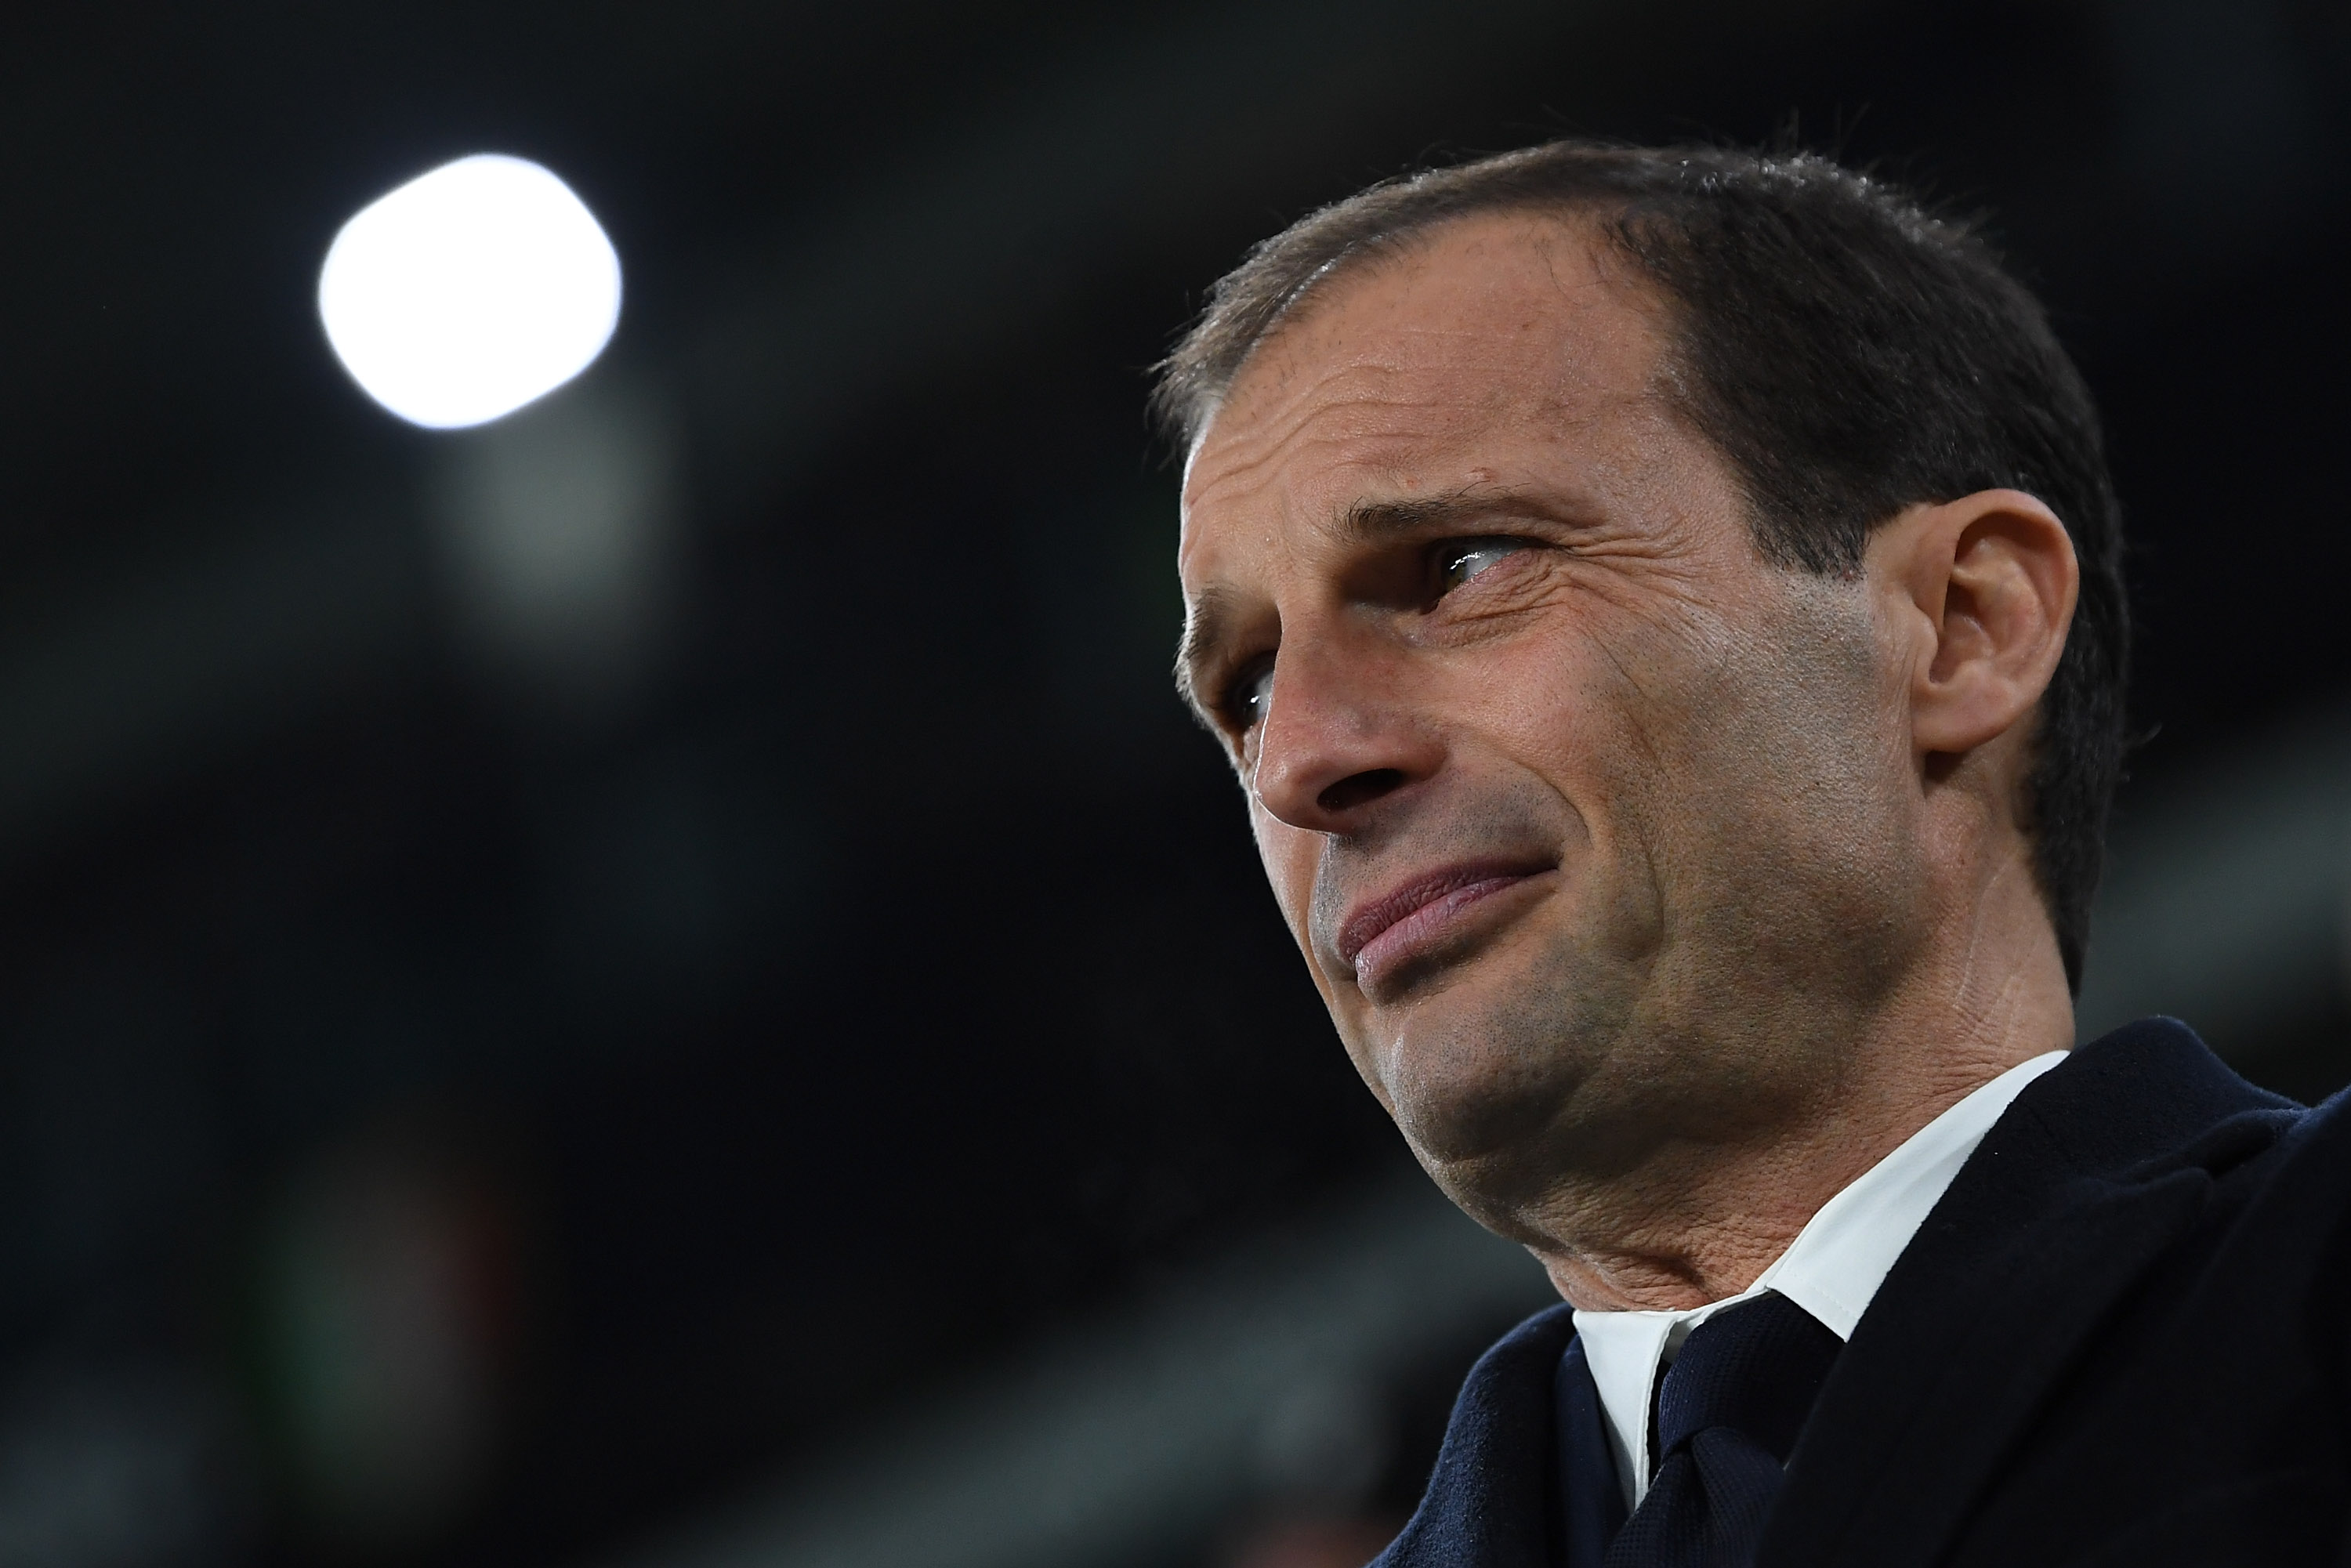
2066	1202
1489	1497
1591	1496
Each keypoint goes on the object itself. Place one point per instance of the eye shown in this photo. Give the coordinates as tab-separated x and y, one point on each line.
1458	561
1251	693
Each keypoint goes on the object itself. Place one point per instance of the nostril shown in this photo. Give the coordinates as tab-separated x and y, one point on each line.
1360	789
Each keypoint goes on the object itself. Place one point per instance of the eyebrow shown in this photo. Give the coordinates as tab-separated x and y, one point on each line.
1376	522
1209	621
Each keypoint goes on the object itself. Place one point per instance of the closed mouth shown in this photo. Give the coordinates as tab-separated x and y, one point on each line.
1382	933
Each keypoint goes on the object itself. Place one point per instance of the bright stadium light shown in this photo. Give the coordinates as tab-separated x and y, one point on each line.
469	291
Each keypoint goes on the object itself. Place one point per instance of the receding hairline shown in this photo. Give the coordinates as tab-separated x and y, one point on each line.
1193	393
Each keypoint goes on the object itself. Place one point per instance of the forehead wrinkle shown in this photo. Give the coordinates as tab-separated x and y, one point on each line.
1334	412
1331	427
1272	418
1292	388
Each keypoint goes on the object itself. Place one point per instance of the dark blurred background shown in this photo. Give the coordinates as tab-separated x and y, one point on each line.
664	981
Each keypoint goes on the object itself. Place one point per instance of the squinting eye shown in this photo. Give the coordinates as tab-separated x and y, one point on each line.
1461	560
1248	696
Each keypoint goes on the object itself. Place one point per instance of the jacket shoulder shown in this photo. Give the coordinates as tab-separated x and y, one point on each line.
1488	1496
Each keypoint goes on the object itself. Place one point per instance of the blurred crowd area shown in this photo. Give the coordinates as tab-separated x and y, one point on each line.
665	981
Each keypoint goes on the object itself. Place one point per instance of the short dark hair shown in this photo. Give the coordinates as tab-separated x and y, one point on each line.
1849	352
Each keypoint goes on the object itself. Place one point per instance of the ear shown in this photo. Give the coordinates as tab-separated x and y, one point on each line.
1984	588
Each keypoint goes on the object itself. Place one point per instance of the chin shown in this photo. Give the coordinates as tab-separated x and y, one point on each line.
1470	1077
1487	1075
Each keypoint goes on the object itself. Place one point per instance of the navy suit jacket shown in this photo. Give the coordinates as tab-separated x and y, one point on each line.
2121	1338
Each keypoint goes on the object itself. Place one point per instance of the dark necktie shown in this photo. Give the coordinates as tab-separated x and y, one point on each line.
1727	1413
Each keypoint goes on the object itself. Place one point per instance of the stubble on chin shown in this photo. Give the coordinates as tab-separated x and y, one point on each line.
1494	1093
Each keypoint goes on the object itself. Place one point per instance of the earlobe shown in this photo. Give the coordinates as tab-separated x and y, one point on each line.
1989	583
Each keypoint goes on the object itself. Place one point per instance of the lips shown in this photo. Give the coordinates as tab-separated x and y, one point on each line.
1382	933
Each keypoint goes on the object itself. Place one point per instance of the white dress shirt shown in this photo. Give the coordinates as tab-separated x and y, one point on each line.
1831	1270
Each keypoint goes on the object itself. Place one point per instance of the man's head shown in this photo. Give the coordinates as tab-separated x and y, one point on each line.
1635	588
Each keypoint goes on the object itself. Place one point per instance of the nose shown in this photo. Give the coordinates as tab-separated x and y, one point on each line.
1340	736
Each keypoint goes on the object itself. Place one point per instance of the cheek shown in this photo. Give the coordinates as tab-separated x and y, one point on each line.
1563	717
1774	771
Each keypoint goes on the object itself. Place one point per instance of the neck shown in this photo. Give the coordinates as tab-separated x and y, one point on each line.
1699	1218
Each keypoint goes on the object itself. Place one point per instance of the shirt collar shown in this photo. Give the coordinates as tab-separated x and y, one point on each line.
1831	1270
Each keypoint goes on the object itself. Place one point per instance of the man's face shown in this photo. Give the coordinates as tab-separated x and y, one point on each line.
1596	829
